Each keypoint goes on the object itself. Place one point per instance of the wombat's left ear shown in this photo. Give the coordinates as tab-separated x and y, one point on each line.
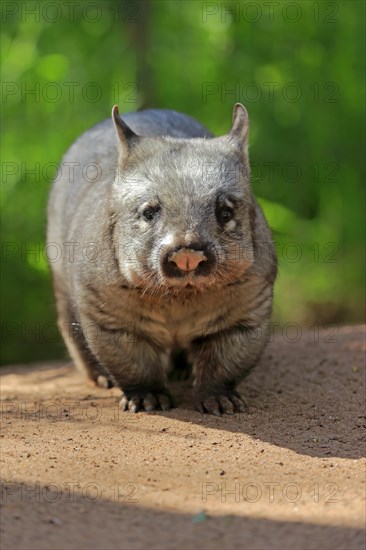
240	127
126	137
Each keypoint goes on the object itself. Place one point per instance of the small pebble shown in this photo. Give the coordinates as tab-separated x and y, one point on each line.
56	521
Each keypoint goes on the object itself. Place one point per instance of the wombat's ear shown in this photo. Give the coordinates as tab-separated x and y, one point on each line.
126	137
240	127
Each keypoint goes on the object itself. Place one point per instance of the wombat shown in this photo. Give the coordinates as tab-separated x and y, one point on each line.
165	260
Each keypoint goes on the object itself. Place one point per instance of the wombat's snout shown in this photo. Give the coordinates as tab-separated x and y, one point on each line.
183	261
186	259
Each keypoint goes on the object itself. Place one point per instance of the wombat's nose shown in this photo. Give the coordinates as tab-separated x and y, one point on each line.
195	260
187	259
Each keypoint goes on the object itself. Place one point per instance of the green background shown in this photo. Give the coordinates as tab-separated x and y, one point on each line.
297	66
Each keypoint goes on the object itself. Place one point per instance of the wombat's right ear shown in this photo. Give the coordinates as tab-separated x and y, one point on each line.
126	137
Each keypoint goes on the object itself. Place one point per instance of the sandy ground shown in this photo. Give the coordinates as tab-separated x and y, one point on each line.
289	474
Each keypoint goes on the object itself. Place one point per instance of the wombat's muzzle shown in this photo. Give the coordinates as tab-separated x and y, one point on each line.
196	260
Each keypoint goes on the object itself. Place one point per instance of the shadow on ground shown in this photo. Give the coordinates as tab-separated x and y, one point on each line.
62	517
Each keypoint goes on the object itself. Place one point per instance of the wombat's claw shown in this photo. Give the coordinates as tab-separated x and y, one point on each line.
103	382
227	402
146	401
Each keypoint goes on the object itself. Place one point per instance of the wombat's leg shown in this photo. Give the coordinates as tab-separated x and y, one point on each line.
220	361
137	366
76	343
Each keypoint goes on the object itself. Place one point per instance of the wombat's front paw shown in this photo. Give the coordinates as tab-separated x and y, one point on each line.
146	400
220	402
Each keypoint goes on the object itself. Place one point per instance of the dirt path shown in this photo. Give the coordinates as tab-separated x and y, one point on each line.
79	474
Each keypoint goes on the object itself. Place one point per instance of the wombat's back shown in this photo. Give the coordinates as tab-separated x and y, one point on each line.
101	140
158	122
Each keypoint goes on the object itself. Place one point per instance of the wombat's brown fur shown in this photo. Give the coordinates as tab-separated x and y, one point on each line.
165	253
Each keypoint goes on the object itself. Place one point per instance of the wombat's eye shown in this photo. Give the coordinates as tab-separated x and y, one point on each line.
149	213
224	214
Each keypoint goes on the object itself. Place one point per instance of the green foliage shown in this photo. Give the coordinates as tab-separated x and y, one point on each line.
299	71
